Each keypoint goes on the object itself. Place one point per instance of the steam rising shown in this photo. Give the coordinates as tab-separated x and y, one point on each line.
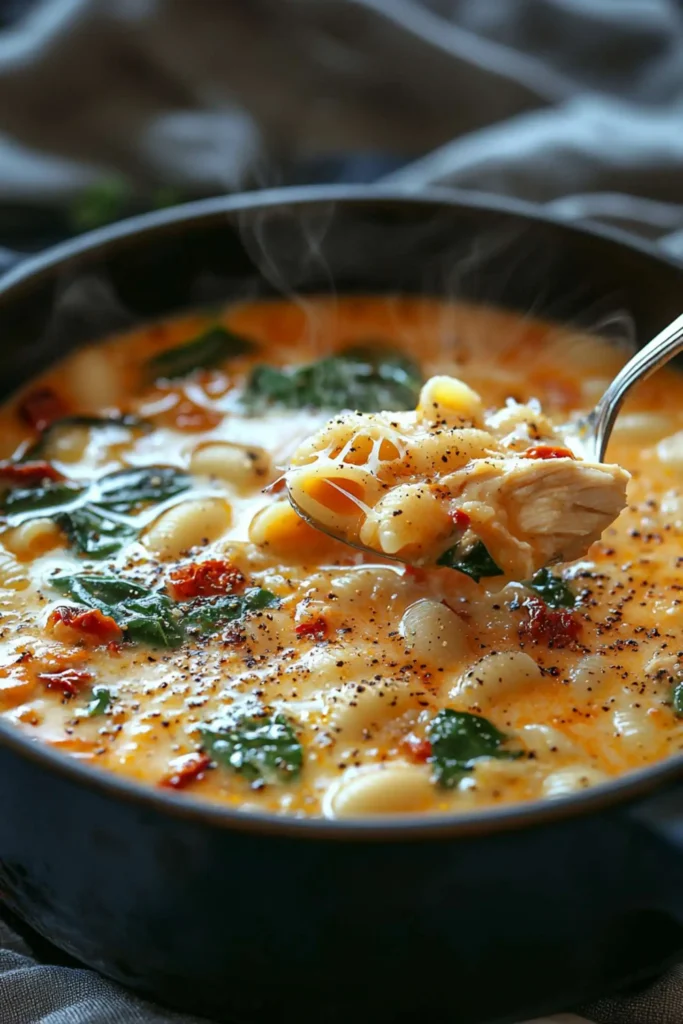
362	245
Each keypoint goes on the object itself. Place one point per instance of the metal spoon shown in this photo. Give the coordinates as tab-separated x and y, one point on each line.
588	437
594	430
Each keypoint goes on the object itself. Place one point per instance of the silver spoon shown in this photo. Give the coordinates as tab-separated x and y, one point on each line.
594	430
588	437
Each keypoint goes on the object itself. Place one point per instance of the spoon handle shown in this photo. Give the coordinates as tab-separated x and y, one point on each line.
667	344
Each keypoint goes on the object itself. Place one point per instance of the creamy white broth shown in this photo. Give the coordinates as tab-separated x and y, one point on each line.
336	656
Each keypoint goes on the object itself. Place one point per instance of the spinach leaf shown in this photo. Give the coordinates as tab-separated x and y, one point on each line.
209	615
552	589
260	747
460	739
93	532
359	379
146	616
149	616
32	502
209	349
100	703
476	562
51	433
151	620
127	489
677	700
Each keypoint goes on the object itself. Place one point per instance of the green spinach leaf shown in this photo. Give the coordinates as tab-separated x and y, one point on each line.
209	615
475	563
365	380
32	502
209	349
260	747
552	589
460	739
127	489
146	616
677	699
93	532
100	702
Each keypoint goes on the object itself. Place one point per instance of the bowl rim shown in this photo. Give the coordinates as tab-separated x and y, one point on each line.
614	792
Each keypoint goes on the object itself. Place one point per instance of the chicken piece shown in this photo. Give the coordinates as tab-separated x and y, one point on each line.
529	512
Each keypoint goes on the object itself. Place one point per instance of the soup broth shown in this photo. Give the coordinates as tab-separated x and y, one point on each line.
167	616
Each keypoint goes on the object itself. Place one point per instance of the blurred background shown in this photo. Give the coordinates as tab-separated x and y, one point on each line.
109	107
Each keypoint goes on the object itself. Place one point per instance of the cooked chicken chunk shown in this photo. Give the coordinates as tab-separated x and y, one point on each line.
437	484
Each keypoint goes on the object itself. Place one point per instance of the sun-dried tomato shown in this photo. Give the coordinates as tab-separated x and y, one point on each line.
185	769
556	628
92	623
548	451
70	680
42	407
205	579
460	518
29	472
416	749
416	573
314	629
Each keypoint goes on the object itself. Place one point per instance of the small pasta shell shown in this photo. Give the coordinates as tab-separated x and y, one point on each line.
12	574
187	525
383	789
642	427
496	675
447	398
32	539
357	710
244	466
279	530
670	450
572	779
95	381
434	633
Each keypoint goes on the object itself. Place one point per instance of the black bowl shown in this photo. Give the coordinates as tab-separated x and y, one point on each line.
493	916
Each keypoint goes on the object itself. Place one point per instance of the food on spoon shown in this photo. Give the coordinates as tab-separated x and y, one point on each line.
485	493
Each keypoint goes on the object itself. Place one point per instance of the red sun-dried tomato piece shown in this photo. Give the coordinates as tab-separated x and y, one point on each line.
314	629
548	451
70	680
185	769
416	749
556	628
415	572
459	518
29	472
204	579
41	407
92	623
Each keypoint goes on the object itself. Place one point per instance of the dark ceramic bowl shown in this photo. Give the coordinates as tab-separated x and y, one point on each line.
494	916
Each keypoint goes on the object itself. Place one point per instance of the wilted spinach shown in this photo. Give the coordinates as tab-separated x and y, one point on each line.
362	379
460	739
476	562
211	348
262	747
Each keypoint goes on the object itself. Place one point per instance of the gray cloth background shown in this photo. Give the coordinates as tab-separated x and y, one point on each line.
574	104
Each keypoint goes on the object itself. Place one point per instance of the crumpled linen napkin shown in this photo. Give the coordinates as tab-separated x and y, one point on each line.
572	104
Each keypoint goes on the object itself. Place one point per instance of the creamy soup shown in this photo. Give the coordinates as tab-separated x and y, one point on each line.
166	614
